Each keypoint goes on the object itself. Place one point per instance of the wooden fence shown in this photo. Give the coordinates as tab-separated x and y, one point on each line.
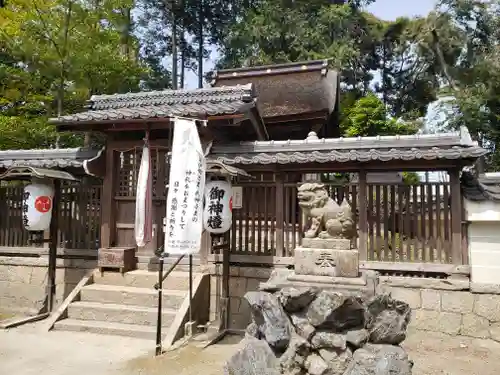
79	217
405	223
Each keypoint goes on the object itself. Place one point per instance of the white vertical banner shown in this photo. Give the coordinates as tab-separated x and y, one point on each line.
144	200
184	222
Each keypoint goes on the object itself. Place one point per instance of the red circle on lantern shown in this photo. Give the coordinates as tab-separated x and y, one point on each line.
43	204
231	204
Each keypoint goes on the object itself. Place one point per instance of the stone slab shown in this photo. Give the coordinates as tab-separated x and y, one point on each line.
326	243
352	281
326	262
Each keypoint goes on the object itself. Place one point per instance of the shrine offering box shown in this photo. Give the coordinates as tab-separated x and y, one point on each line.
121	258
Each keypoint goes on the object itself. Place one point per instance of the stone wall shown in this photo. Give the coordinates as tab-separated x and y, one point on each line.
454	307
23	279
451	306
242	280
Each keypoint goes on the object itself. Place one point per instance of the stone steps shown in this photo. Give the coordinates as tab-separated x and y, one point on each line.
109	312
143	279
126	304
132	296
106	328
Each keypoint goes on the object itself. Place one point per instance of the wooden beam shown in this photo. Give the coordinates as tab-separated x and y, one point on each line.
298	117
254	259
258	125
456	216
280	191
449	269
108	203
133	124
363	217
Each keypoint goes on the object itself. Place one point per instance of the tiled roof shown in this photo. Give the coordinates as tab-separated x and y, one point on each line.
479	189
159	104
449	146
51	158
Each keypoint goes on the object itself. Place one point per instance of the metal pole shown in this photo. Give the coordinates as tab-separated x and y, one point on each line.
54	223
190	287
158	320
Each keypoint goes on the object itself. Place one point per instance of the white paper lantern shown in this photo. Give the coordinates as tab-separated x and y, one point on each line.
218	210
37	206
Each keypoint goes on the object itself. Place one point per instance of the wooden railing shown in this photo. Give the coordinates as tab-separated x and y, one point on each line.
79	217
404	222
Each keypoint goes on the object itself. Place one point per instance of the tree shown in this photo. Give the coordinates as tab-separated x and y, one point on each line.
55	54
368	117
470	75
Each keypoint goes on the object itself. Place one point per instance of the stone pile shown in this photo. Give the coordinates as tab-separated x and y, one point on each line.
306	331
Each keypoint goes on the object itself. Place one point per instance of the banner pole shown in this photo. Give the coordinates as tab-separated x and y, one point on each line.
190	288
160	297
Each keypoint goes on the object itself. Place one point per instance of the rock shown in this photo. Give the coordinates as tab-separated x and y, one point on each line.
387	320
337	361
357	338
328	340
335	311
255	358
252	330
379	360
293	360
278	276
302	325
271	319
296	299
316	365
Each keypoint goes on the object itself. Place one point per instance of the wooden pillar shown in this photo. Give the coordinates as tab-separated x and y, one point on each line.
456	217
107	201
363	218
280	191
53	229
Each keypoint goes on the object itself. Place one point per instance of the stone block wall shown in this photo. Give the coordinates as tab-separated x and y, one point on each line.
450	306
242	280
454	307
23	280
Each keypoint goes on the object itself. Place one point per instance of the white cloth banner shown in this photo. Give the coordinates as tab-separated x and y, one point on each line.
184	223
143	204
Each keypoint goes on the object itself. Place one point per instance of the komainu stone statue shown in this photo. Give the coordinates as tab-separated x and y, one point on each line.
327	218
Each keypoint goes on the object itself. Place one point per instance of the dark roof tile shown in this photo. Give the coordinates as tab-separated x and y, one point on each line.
479	189
166	103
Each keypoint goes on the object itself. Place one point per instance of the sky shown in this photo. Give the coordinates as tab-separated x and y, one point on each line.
384	9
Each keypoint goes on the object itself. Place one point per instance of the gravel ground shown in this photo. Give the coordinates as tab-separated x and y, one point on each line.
28	351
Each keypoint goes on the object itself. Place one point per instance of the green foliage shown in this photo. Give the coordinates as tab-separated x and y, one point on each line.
411	178
54	54
368	117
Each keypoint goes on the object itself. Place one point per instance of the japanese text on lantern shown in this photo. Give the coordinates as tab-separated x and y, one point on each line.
26	196
215	207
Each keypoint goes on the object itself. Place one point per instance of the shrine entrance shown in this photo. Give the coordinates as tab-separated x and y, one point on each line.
127	162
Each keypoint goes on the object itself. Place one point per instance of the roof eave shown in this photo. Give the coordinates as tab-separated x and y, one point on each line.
263	70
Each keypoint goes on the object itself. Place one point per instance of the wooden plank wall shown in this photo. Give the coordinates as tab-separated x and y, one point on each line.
79	216
404	222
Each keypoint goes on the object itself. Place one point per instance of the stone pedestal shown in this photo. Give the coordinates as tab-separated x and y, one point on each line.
326	243
326	257
362	286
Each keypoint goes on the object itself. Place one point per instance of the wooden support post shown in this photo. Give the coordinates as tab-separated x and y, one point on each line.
456	217
363	217
108	203
54	229
280	191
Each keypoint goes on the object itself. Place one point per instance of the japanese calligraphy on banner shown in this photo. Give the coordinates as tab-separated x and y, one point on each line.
217	216
184	224
37	206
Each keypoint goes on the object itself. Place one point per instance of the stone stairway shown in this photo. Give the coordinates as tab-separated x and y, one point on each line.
126	305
